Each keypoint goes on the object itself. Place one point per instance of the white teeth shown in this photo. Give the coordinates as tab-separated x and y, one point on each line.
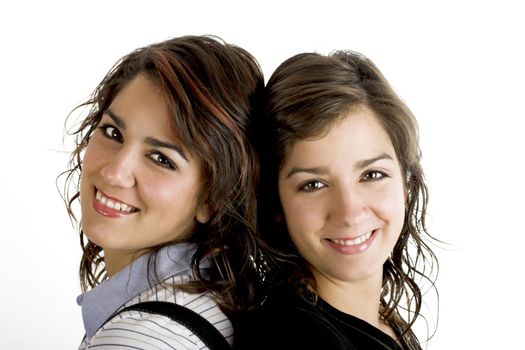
112	204
349	242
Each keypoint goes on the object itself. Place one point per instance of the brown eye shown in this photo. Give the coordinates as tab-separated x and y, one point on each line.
161	160
373	175
111	132
311	186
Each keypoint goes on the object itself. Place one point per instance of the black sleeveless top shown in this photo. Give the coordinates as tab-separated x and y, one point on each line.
292	323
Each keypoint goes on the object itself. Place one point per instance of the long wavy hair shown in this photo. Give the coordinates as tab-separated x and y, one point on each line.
211	88
305	97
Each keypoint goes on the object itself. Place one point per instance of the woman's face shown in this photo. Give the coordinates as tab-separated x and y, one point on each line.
343	199
139	185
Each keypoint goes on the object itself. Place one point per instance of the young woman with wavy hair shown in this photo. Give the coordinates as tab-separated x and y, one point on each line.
165	177
343	202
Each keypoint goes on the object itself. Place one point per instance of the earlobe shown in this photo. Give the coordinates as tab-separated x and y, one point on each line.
203	214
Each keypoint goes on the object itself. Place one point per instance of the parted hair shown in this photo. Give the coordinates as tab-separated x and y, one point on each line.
305	96
210	88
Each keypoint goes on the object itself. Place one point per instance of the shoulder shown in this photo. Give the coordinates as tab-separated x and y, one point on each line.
201	303
139	330
142	330
291	326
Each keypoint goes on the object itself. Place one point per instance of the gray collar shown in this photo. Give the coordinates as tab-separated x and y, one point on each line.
101	302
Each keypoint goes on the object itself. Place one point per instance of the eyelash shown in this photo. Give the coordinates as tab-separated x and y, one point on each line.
306	186
381	174
154	156
165	162
105	127
366	177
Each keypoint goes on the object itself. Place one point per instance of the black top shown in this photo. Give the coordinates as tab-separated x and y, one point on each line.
292	323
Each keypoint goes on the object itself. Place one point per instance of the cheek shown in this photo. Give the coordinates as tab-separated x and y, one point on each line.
176	194
90	160
159	192
302	216
93	155
392	206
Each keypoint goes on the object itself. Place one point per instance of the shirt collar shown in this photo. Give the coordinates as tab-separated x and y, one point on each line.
99	303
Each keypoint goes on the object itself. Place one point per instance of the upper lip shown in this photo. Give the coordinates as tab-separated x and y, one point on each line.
352	241
346	238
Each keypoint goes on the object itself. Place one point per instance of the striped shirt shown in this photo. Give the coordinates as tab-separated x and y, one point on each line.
140	330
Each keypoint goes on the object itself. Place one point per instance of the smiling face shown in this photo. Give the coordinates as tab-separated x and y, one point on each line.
139	185
343	199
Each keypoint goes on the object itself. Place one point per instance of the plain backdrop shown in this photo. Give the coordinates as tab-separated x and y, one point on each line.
458	65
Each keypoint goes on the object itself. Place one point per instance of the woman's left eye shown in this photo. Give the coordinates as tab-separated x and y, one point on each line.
373	175
162	161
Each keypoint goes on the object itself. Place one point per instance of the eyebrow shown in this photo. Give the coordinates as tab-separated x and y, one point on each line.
323	170
314	171
366	162
116	119
158	143
119	122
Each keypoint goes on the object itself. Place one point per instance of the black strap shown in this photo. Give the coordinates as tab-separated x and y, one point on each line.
188	318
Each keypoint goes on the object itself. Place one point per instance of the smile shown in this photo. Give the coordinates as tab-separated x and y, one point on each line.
113	204
352	246
355	241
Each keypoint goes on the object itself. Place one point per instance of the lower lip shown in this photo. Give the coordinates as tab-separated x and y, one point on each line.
352	249
107	212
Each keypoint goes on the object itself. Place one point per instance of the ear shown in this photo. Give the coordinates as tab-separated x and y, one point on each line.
203	213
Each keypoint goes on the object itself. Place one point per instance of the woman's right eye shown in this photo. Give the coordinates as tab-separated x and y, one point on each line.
311	186
111	132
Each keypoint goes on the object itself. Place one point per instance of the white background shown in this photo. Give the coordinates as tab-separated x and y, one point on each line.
458	65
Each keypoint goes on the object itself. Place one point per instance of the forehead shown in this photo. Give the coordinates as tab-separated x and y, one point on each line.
358	132
141	95
141	106
142	100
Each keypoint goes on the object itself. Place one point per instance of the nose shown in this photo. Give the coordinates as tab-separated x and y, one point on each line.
119	170
348	207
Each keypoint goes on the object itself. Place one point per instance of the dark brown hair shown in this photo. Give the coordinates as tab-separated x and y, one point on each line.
305	96
210	88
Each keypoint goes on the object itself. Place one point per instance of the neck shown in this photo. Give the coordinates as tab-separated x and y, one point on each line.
360	298
115	261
